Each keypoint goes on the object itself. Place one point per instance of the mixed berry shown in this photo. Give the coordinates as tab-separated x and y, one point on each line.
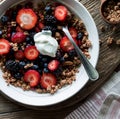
23	65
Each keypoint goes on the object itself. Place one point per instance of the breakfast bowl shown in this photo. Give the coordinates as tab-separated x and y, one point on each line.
30	97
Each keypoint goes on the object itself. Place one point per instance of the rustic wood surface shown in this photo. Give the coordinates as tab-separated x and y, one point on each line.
109	59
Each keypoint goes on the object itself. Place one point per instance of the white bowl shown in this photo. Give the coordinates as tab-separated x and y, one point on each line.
32	98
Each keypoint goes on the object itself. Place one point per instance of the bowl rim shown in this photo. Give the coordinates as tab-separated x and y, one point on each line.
11	91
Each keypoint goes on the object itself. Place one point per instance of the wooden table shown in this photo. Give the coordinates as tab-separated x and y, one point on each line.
109	59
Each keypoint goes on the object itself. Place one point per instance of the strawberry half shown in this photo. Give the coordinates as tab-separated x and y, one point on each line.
18	37
26	18
66	45
61	13
4	46
53	65
73	32
31	52
47	80
32	77
19	55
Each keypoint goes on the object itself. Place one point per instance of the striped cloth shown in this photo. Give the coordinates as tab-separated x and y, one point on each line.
104	104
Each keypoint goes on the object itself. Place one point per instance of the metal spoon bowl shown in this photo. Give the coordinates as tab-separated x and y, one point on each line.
91	71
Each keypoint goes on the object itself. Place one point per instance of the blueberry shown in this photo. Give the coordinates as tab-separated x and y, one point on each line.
62	59
4	19
0	32
45	65
35	67
48	9
40	71
40	57
18	75
22	64
12	66
32	33
44	59
46	70
80	35
28	39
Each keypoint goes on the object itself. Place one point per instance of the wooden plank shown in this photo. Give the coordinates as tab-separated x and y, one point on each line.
109	59
8	106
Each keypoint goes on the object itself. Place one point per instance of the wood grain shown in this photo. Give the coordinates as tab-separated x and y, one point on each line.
109	59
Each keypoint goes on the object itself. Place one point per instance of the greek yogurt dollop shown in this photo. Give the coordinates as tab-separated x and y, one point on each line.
45	43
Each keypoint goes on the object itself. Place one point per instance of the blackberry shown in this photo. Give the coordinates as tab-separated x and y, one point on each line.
17	75
48	9
10	55
58	71
4	19
72	53
12	66
59	54
50	20
51	28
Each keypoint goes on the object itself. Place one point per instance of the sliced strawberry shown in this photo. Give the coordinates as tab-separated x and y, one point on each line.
32	77
66	45
26	18
18	37
47	80
73	32
19	55
31	52
4	46
53	65
61	13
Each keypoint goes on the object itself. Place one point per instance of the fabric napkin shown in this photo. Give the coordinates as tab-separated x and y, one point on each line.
104	104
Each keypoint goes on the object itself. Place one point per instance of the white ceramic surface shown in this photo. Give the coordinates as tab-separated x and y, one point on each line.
33	99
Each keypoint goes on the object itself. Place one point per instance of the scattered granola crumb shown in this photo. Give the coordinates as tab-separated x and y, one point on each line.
100	41
109	40
118	42
102	28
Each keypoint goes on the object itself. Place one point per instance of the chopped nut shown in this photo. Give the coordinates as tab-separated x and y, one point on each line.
68	63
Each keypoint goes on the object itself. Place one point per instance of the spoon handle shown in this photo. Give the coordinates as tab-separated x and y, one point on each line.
91	71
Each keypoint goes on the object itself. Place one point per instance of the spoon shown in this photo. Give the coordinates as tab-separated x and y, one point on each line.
91	71
104	3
